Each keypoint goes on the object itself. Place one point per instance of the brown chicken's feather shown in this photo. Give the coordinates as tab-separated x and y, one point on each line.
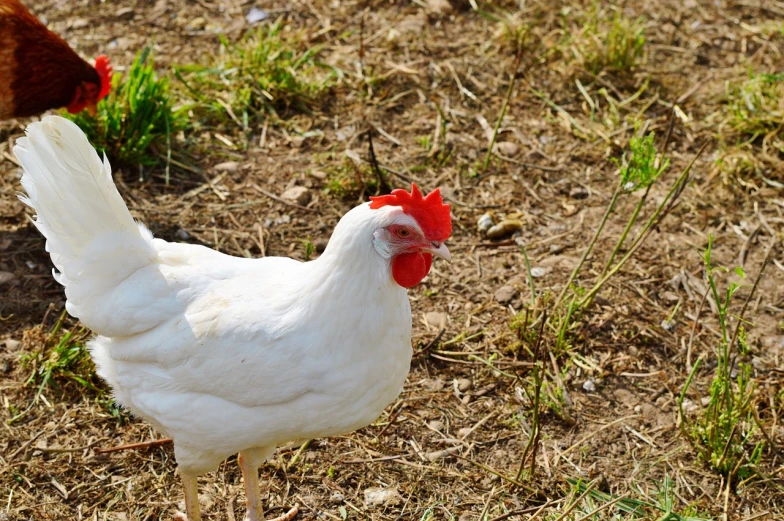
38	70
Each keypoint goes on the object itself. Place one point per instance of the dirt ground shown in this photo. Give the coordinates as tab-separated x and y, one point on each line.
450	447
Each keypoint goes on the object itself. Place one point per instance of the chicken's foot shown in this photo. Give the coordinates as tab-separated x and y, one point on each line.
249	462
191	489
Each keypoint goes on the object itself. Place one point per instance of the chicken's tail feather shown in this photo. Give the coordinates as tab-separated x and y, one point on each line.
90	234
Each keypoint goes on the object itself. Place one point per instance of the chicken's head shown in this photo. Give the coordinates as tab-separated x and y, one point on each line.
414	234
89	93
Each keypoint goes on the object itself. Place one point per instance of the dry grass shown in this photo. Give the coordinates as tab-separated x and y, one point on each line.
493	423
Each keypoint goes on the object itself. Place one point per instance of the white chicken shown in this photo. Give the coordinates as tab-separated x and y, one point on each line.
230	355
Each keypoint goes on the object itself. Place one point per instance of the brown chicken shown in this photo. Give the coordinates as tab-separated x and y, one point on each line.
39	71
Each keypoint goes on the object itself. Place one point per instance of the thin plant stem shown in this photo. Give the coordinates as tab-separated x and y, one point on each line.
751	294
533	438
622	239
681	415
626	231
643	234
573	504
508	97
530	276
591	245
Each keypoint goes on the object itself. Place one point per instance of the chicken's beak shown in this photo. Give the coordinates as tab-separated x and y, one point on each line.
439	250
90	108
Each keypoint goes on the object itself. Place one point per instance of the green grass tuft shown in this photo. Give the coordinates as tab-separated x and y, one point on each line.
657	504
265	73
616	45
61	357
347	180
755	106
136	117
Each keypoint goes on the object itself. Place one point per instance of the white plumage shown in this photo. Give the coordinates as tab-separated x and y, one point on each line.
223	354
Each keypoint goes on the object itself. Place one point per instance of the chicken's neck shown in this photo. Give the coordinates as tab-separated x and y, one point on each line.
350	259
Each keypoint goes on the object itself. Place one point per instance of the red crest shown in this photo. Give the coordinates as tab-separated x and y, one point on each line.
104	70
430	211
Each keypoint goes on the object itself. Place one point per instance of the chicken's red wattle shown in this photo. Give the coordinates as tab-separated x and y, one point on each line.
408	269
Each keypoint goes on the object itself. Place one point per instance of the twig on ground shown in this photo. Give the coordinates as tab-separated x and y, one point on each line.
135	446
383	186
430	344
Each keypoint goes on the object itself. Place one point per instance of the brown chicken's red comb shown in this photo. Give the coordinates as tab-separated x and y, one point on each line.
430	211
104	70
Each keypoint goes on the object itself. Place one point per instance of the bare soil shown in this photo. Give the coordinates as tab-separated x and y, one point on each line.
438	66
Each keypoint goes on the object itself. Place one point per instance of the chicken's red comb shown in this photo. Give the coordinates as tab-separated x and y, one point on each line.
430	212
104	70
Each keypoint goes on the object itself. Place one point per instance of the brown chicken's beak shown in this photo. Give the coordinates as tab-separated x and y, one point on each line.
439	250
90	108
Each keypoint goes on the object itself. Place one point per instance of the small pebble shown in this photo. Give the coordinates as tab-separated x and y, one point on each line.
125	13
435	384
538	271
378	496
297	194
485	223
438	7
504	228
256	15
589	386
435	319
669	325
463	384
506	148
505	294
578	192
465	431
196	24
568	209
436	425
228	166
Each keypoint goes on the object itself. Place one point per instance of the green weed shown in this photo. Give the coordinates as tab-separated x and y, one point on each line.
309	248
638	170
264	74
557	321
61	356
136	119
723	431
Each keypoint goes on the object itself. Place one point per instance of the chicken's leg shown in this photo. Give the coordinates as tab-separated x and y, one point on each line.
250	461
189	485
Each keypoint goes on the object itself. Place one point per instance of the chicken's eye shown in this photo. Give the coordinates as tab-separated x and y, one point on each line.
403	233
